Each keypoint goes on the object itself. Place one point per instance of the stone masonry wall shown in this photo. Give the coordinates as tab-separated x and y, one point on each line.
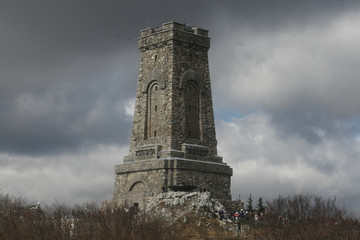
173	144
173	62
140	182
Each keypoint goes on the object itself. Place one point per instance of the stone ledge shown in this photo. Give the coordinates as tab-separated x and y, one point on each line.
176	164
189	152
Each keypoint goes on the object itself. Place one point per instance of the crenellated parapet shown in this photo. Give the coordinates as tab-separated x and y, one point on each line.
173	33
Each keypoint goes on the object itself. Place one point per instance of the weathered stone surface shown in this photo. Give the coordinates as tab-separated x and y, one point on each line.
173	143
179	205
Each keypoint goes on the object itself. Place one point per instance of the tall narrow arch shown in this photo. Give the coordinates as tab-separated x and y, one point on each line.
192	110
153	113
155	74
191	75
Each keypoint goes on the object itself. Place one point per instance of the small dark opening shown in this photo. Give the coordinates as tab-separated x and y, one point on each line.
187	188
154	133
155	108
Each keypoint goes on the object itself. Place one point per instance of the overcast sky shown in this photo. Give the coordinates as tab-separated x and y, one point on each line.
285	81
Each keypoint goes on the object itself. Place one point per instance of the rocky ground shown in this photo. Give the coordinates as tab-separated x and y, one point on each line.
197	213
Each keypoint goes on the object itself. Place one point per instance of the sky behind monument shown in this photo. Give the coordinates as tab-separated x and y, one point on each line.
285	82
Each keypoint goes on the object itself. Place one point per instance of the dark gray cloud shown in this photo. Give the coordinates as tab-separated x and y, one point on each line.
304	77
70	55
61	61
289	71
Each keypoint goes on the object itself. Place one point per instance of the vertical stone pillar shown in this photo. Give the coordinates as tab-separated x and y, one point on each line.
173	143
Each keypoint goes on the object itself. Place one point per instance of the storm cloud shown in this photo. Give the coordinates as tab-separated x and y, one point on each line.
285	80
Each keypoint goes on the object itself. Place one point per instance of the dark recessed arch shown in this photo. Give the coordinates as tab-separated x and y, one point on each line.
153	110
191	75
192	110
154	75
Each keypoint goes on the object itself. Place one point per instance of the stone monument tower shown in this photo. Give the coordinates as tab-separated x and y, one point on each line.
173	143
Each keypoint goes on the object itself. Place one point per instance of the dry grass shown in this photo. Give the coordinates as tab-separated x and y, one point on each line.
297	217
18	222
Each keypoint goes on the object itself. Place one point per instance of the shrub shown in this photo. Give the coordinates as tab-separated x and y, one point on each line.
306	216
302	216
81	222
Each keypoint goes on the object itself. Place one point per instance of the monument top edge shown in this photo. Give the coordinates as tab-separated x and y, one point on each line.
172	25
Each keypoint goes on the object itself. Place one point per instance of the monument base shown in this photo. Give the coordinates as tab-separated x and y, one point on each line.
139	182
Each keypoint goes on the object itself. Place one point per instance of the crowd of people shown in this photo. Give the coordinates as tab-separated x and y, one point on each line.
241	217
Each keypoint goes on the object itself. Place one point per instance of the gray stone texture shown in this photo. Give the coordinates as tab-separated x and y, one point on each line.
173	143
175	206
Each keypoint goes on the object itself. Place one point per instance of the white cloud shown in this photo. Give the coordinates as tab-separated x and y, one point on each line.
265	164
129	107
68	178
